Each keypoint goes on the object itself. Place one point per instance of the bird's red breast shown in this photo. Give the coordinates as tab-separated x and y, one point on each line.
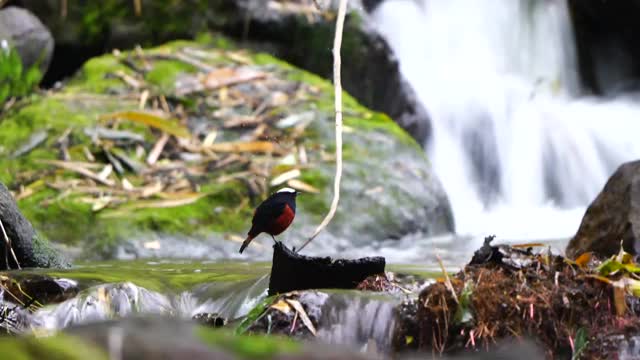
282	222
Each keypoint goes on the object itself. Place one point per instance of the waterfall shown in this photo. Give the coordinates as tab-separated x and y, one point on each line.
520	151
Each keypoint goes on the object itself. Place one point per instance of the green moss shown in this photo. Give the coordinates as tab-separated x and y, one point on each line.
58	347
315	204
248	346
164	74
198	218
97	76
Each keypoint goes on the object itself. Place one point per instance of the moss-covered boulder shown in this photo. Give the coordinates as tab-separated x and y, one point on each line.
183	140
298	32
21	245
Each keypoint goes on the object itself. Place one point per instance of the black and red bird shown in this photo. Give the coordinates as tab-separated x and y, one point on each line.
273	216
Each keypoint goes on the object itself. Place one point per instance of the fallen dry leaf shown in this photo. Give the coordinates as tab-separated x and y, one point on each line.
282	306
303	315
302	186
230	76
284	177
154	154
80	170
169	126
249	146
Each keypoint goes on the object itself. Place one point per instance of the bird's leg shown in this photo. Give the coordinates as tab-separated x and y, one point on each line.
274	239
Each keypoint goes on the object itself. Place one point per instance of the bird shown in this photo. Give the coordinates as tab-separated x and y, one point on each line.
273	216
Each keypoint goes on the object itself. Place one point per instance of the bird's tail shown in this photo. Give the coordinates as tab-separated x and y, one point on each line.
245	243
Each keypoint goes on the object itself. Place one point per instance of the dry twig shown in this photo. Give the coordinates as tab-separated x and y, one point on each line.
9	247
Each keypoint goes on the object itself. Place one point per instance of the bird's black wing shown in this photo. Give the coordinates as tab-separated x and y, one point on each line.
268	211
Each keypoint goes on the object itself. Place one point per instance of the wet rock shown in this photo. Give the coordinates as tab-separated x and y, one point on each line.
14	319
37	289
355	319
282	317
406	331
211	320
104	302
606	34
28	36
613	216
29	249
501	255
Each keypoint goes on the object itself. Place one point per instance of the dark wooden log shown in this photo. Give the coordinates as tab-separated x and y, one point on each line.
291	271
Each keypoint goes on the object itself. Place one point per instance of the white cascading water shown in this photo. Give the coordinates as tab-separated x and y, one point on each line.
519	151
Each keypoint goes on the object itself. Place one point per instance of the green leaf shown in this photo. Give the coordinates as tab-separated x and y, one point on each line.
254	314
579	344
463	312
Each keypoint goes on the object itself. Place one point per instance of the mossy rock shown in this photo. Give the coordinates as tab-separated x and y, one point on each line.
388	188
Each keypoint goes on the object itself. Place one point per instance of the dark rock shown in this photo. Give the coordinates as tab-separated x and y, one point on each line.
606	37
40	289
407	327
28	36
614	216
210	320
291	271
371	5
30	250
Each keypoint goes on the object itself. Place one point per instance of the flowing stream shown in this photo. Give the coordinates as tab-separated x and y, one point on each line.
520	149
116	289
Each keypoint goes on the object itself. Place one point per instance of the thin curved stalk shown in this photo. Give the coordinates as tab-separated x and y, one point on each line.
337	87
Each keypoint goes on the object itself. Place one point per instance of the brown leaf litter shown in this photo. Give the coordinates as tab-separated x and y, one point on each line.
508	292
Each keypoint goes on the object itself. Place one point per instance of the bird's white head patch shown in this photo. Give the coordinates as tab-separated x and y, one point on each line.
286	190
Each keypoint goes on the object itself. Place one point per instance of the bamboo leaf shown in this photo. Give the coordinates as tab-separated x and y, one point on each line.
170	126
248	146
303	315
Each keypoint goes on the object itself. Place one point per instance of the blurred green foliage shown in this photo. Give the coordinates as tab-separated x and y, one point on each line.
15	80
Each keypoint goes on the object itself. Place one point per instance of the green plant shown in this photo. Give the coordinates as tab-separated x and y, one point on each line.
15	80
580	344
